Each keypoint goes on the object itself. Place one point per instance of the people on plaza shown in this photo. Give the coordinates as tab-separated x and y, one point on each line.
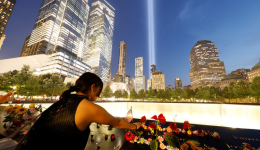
65	124
6	97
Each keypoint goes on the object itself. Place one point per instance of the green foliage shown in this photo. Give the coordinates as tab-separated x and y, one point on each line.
204	93
190	93
241	89
168	93
125	94
141	94
179	93
224	93
107	93
161	94
255	88
133	94
171	139
118	94
139	133
231	90
154	144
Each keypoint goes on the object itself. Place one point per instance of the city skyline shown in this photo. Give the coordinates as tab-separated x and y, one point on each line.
234	33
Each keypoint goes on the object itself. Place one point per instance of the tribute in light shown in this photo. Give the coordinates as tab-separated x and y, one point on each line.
151	33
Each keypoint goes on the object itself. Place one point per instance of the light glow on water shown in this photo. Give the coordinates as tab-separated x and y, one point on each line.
150	4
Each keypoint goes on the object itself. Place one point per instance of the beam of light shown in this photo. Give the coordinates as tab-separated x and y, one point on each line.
151	34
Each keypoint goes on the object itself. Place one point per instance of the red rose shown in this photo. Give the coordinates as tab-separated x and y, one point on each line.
113	136
17	123
128	136
143	119
10	131
173	126
186	125
247	145
152	125
154	117
162	119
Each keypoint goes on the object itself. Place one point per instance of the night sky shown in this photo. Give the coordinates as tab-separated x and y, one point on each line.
234	27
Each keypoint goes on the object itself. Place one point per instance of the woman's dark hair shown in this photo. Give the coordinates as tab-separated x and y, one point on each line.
83	84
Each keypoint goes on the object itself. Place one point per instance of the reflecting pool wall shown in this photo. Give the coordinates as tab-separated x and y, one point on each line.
228	115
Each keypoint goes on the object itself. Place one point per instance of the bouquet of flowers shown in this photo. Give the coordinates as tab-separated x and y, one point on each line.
171	135
17	115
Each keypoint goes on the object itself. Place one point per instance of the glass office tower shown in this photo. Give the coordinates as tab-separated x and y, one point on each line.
100	38
60	28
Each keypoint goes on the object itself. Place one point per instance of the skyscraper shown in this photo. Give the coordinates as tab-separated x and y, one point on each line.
158	81
178	83
139	77
6	9
122	60
60	30
153	69
149	83
100	38
206	68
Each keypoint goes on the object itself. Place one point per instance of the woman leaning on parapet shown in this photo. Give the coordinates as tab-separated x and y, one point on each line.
65	124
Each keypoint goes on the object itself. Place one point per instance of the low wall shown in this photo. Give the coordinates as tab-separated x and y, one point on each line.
228	115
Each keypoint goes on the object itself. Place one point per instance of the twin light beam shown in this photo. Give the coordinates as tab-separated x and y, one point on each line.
150	4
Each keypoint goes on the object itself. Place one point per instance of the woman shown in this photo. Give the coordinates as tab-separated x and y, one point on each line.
65	124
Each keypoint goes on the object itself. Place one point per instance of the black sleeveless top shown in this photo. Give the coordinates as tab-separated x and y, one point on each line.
56	128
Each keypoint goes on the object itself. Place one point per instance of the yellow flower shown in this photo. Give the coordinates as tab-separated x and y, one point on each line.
145	127
21	110
15	108
189	132
160	129
32	105
12	112
7	108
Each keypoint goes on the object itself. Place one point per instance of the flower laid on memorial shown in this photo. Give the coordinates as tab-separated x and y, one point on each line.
247	146
17	115
172	135
143	119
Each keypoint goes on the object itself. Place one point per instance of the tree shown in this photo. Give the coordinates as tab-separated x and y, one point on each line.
255	88
125	94
168	93
133	94
107	93
224	93
231	90
161	94
21	78
54	85
241	89
204	93
118	94
141	94
179	93
190	93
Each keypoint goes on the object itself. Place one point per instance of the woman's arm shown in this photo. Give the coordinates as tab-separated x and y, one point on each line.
95	113
5	97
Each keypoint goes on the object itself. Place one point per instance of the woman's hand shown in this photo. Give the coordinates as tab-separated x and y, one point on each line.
5	97
138	124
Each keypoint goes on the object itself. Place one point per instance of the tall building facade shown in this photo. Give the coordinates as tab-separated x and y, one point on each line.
255	71
153	69
158	81
6	9
60	30
122	60
100	38
206	68
139	77
127	79
149	83
241	72
178	83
